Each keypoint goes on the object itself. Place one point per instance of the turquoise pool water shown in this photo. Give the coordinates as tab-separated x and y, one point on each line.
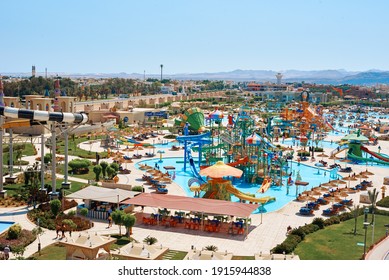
321	144
169	144
314	176
5	225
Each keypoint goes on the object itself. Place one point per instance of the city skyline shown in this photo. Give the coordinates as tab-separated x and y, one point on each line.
193	37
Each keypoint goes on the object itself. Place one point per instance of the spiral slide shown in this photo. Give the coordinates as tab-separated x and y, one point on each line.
36	115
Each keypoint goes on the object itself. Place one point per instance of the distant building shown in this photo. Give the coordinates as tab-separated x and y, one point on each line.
33	72
279	77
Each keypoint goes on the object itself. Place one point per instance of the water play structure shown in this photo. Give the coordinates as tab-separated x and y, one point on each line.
194	117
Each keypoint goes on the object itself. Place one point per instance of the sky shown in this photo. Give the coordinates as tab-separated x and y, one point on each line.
197	36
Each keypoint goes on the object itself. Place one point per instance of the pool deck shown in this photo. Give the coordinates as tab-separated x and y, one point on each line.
268	231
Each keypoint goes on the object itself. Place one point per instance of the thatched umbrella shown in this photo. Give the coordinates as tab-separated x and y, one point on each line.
220	170
368	173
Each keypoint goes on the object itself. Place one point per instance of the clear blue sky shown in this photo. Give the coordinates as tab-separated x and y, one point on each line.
84	36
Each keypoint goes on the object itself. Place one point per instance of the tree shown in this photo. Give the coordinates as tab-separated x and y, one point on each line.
47	158
104	166
115	166
55	206
118	217
129	221
110	172
355	213
97	170
19	153
373	195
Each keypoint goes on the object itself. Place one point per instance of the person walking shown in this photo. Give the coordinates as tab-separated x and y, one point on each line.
6	252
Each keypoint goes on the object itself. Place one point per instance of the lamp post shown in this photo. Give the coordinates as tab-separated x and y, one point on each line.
365	225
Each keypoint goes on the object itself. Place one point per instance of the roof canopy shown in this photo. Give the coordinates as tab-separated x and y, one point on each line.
103	194
203	205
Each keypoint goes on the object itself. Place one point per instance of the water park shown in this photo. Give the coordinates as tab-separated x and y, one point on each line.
205	175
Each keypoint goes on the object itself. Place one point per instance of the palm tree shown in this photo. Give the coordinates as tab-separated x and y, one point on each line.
373	195
355	213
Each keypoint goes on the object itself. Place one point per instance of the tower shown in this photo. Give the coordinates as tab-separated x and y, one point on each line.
279	77
57	94
161	71
1	92
33	71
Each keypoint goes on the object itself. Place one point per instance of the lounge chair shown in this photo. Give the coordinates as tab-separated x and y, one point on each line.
330	212
305	211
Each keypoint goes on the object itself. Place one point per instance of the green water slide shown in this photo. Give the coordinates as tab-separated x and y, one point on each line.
352	156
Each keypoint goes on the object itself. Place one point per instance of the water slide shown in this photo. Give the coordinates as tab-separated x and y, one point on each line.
192	165
17	123
243	196
330	126
43	116
335	152
362	159
376	155
265	185
311	111
239	161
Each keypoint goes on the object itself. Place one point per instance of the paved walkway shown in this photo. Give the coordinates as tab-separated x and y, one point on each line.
269	229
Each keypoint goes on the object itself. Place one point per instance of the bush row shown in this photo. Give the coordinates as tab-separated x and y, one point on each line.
298	234
25	238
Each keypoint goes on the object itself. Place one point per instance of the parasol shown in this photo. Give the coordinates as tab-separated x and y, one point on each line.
220	170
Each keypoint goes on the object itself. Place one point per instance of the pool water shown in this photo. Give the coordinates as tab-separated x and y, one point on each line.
314	176
165	144
5	225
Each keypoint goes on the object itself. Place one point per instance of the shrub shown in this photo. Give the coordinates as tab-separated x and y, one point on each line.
26	237
55	206
319	222
104	166
331	221
288	245
80	166
80	222
384	202
110	172
115	166
14	231
84	212
72	213
97	170
318	149
212	248
302	154
137	189
307	229
345	216
150	240
299	232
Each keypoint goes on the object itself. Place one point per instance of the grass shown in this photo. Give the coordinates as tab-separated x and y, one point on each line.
51	252
88	176
337	242
28	150
75	151
13	189
121	240
243	258
175	255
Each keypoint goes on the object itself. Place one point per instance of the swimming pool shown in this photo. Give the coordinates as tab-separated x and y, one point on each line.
314	176
166	144
4	226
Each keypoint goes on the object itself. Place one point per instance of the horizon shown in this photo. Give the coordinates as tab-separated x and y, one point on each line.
193	36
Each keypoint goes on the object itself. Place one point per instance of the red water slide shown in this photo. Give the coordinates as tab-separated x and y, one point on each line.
366	150
239	161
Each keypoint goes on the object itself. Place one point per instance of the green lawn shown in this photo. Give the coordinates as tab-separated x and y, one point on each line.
88	176
51	252
28	150
75	151
57	252
13	188
337	242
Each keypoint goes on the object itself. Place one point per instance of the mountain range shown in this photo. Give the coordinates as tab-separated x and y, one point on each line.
335	77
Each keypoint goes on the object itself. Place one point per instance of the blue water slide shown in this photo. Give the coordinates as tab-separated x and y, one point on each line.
193	166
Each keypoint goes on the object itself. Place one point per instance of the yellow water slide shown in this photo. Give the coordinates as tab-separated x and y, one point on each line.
243	196
265	185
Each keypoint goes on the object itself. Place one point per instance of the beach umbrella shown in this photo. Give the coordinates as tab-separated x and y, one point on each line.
220	170
322	155
338	182
349	178
160	152
320	189
329	184
367	173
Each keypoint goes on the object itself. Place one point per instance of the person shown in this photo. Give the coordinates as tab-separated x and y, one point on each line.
288	229
109	221
57	228
63	231
6	252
